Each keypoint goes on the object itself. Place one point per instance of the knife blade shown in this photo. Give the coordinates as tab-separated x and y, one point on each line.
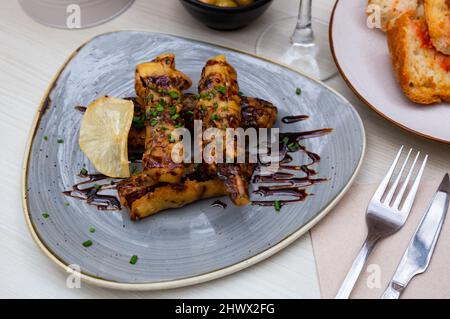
417	256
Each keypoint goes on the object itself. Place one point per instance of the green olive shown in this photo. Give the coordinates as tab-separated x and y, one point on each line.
245	2
226	3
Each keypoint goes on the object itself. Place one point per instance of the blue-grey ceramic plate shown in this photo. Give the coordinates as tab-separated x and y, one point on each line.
195	243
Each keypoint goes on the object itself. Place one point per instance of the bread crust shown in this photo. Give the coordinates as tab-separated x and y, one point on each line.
391	10
437	14
423	72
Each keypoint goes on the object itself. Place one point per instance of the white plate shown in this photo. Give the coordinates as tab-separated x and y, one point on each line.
363	59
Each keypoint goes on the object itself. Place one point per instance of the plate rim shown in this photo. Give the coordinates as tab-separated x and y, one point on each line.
361	97
183	282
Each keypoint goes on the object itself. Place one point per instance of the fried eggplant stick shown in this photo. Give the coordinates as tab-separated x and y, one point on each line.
161	86
219	106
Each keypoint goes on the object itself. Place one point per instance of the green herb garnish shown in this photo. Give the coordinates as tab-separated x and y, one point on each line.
153	122
83	171
45	215
97	187
138	122
163	128
216	105
133	259
66	204
277	205
45	138
60	141
174	95
298	91
87	243
92	230
173	110
175	116
221	89
293	146
215	117
206	96
171	138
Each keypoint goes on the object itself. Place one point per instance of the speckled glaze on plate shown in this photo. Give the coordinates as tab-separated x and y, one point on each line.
196	243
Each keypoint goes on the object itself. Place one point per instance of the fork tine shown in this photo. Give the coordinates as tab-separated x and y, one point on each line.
412	193
391	192
382	187
405	184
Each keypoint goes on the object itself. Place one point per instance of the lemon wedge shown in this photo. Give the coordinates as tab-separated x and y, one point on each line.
104	135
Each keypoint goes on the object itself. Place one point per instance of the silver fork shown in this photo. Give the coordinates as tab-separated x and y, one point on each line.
383	217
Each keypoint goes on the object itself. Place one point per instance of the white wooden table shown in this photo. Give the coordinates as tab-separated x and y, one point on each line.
30	55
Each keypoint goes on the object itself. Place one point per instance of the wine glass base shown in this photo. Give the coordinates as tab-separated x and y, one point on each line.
314	59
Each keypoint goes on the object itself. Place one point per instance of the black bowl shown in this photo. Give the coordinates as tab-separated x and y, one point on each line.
226	18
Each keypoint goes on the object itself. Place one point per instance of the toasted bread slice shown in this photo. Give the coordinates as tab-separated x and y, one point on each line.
423	72
437	14
391	10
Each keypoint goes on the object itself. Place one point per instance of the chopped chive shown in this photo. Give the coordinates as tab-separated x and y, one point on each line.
97	187
45	138
83	171
66	204
178	125
171	139
221	89
160	108
60	141
298	91
175	116
206	96
92	230
190	112
45	215
173	110
174	95
215	117
285	140
153	122
293	146
216	105
277	205
163	128
240	93
133	259
87	243
138	122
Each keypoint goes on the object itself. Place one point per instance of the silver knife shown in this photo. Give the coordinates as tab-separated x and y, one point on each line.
418	254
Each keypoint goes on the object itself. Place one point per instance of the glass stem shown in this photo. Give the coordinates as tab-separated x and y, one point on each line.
303	34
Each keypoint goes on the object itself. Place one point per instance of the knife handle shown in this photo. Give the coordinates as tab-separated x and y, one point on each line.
393	291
